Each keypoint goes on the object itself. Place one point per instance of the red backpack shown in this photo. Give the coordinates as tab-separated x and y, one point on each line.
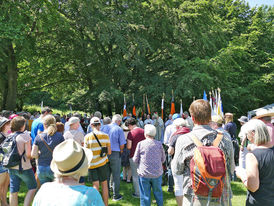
208	168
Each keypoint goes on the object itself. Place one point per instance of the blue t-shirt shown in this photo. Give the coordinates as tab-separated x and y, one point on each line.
231	128
56	194
105	128
45	156
116	137
36	126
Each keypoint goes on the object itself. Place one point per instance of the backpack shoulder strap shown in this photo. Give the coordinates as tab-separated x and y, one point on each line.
97	139
47	146
218	139
196	141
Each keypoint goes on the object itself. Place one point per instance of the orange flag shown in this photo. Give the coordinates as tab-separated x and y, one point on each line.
125	107
148	109
172	110
134	108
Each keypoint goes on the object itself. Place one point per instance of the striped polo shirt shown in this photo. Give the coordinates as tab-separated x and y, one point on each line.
91	143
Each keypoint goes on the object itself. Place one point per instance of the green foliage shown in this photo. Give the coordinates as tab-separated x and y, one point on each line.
90	53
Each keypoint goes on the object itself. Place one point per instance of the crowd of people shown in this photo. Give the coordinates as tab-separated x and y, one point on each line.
59	154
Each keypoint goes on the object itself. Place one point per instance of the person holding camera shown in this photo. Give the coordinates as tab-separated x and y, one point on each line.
99	143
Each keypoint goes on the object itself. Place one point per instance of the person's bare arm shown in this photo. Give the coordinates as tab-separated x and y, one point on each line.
34	152
109	149
122	148
129	144
252	173
28	149
170	150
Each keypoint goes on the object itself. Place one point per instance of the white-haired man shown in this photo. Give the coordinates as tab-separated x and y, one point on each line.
117	142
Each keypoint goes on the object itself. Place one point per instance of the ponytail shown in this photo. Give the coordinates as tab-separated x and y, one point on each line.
52	129
50	123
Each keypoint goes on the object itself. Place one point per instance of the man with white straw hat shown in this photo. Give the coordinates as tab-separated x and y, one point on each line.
73	132
69	162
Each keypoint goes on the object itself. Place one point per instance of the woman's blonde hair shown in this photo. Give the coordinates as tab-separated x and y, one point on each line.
228	118
261	134
50	123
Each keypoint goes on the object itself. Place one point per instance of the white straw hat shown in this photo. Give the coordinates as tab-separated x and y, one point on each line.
69	158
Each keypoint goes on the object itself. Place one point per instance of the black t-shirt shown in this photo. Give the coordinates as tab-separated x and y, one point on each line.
265	194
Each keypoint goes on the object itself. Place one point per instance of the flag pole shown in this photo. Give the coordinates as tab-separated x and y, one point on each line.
162	105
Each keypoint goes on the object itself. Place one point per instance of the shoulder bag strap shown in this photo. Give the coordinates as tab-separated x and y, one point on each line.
218	139
45	143
97	139
196	141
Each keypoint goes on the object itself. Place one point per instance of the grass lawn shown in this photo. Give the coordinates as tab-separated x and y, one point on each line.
239	195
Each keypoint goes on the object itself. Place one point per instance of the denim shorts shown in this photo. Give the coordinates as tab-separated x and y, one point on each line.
27	176
45	174
2	169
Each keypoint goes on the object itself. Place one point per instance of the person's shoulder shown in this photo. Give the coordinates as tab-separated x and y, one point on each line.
103	134
67	133
139	129
86	189
184	138
89	135
24	135
58	135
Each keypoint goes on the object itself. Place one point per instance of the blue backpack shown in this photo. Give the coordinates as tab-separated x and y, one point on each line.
10	155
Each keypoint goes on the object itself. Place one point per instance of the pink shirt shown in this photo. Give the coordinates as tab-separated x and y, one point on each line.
270	128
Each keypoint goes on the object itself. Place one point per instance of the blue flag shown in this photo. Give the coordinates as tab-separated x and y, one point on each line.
204	97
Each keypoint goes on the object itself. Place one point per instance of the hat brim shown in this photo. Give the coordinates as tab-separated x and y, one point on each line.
5	122
81	170
242	121
264	115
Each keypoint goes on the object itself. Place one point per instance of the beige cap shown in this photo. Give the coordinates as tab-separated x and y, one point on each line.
217	118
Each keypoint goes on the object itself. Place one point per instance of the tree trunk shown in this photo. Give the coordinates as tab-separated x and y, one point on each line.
12	80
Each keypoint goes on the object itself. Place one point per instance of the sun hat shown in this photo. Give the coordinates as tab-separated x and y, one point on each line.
150	130
95	120
180	122
217	119
69	158
3	121
73	120
228	114
175	116
243	119
264	113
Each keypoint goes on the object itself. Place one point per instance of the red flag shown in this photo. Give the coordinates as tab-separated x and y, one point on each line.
172	110
125	108
134	108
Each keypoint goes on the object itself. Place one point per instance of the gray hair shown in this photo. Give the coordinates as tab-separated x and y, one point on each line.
180	122
106	120
150	130
261	134
116	117
97	114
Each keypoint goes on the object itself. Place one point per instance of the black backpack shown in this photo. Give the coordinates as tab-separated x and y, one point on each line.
10	155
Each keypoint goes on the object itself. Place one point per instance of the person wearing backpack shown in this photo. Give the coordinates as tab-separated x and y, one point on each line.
23	141
43	146
4	176
206	140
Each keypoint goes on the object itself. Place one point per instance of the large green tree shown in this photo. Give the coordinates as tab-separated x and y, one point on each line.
90	53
